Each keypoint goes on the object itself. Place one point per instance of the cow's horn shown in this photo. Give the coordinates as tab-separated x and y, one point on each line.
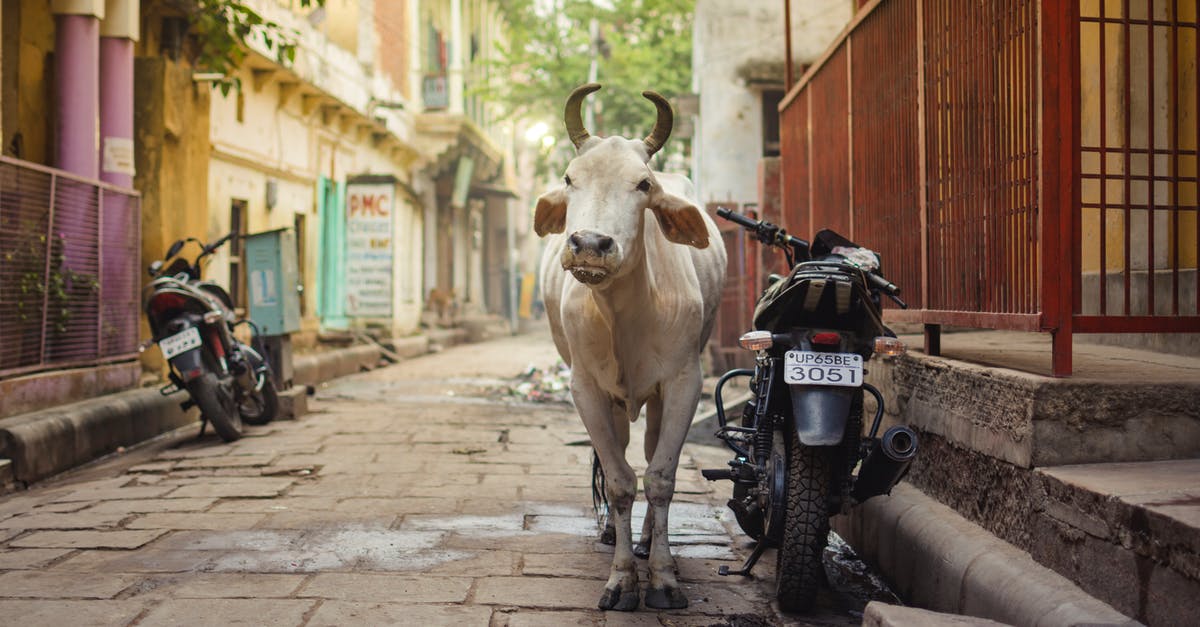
662	128
573	113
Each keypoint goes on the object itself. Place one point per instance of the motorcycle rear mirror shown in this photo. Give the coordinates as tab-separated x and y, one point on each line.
175	248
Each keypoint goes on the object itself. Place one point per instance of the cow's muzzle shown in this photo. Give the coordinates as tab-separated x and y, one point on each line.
590	244
589	256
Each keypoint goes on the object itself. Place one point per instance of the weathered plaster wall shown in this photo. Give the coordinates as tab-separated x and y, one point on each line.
727	36
171	150
28	46
284	145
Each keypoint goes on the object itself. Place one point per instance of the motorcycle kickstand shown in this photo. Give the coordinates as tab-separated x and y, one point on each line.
750	562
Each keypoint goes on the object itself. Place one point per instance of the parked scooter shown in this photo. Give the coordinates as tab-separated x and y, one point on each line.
193	322
800	435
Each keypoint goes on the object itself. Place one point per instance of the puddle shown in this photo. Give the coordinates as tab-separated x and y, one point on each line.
344	548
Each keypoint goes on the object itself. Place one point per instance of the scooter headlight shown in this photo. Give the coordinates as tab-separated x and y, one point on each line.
756	340
889	346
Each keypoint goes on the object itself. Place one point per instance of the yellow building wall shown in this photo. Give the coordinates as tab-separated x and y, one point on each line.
1171	126
29	131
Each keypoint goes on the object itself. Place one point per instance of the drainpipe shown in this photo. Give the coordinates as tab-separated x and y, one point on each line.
76	49
118	33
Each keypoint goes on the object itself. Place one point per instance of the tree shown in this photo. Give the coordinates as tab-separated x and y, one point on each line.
223	30
643	44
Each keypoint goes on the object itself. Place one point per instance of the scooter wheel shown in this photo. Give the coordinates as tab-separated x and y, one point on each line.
217	405
260	407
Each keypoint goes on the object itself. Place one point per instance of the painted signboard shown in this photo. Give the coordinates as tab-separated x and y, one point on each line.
370	207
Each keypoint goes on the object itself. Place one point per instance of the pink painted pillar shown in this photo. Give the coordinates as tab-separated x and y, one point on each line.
118	234
117	36
116	111
77	77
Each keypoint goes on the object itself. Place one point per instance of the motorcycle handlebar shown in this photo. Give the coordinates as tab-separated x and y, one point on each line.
766	232
772	235
209	248
737	218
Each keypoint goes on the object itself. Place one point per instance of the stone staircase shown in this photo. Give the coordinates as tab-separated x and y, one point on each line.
1096	476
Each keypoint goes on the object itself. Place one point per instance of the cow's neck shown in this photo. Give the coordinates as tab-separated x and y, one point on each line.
623	302
623	305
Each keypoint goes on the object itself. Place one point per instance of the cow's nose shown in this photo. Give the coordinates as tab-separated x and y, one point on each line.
590	242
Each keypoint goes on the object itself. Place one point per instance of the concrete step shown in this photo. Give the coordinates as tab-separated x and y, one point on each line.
1128	533
1092	475
879	614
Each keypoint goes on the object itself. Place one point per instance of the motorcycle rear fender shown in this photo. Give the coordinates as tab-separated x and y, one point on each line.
820	413
189	365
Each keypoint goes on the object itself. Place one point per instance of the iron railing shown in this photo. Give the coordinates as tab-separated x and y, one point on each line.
1008	180
69	260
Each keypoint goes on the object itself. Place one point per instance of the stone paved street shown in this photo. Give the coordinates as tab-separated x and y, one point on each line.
414	494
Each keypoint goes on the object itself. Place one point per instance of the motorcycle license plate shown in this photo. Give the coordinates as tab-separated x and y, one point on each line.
806	367
180	343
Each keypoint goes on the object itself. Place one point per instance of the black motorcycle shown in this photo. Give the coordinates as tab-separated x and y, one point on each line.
800	438
193	322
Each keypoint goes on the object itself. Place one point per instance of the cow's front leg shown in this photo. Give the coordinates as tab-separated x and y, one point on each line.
679	398
654	410
595	409
609	534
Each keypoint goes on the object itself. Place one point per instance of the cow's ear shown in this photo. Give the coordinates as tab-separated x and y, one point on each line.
680	220
551	214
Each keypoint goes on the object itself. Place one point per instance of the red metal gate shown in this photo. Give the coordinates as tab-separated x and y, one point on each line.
1006	182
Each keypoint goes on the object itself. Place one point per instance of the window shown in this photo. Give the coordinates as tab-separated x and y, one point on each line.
237	252
301	237
770	127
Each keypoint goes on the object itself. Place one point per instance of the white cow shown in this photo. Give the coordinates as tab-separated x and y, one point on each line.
631	286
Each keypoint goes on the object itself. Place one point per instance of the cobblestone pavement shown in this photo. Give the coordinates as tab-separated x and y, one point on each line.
411	495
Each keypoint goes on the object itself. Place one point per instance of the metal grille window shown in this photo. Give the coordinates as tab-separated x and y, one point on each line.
69	259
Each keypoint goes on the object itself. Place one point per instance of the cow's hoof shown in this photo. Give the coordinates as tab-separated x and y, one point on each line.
609	535
665	598
642	550
620	600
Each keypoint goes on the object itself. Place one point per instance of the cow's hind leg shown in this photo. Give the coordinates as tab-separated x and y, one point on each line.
595	409
679	398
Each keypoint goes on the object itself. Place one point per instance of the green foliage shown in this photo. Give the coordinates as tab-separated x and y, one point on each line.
224	27
647	45
34	288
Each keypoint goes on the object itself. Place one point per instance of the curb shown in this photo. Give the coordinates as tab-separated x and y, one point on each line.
939	560
50	441
47	442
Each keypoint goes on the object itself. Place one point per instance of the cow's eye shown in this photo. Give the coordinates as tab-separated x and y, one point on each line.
567	180
644	186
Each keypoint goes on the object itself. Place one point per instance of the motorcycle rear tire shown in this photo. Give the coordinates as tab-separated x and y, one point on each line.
217	405
800	568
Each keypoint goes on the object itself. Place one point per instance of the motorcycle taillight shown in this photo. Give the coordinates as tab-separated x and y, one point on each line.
166	301
826	339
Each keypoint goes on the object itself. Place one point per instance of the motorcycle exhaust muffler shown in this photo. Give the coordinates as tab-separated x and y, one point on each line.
886	464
